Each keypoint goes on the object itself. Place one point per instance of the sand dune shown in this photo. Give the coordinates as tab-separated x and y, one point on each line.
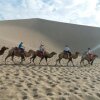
42	82
33	31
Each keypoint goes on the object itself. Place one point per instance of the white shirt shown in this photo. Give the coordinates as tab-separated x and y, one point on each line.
67	49
41	48
89	52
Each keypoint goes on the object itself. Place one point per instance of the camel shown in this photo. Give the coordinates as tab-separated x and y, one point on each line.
65	56
46	55
90	60
16	52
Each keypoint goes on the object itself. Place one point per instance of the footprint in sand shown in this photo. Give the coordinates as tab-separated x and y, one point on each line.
35	93
6	77
7	74
17	74
59	93
18	85
53	85
85	78
67	81
37	82
61	98
71	90
66	93
98	94
49	91
84	90
21	80
25	89
76	88
77	77
29	85
25	97
3	88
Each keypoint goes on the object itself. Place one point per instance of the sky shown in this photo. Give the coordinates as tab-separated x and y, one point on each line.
83	12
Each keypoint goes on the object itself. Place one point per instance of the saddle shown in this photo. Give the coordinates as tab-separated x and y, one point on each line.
66	53
20	50
90	56
40	53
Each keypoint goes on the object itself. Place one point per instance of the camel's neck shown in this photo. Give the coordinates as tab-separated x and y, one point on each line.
27	54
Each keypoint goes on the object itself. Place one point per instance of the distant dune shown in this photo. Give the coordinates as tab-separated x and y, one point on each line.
33	31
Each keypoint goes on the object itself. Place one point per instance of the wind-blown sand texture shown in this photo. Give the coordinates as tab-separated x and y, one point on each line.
42	82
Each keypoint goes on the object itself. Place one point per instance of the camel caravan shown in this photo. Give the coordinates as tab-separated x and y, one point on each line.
19	51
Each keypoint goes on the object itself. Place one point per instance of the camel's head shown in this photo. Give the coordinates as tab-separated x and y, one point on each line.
4	48
53	53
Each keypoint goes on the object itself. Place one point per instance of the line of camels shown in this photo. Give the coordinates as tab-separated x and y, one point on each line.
33	54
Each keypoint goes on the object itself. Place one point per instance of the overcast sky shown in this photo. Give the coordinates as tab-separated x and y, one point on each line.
84	12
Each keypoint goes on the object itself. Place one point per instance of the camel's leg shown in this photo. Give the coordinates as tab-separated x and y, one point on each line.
82	61
7	57
32	58
92	62
56	61
12	58
22	59
70	60
41	60
88	62
46	60
72	63
59	59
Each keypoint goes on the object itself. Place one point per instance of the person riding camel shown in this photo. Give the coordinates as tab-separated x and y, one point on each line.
21	47
67	51
42	49
90	53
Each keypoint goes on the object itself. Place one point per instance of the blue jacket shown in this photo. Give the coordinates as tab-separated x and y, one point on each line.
20	45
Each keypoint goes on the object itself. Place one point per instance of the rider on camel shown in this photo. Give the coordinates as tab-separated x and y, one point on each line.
90	53
21	47
67	51
42	49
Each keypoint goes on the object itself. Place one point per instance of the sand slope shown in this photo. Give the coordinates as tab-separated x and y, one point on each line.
42	82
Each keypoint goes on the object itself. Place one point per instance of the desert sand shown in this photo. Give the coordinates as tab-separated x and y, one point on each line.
48	82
